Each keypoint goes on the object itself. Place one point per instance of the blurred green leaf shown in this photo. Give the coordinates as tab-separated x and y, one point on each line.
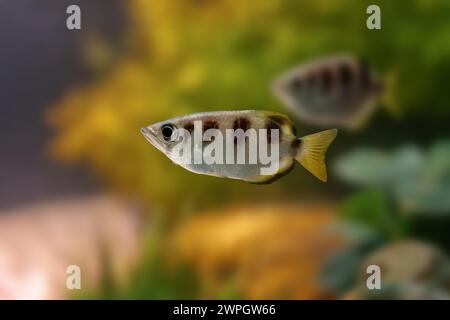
418	182
339	270
428	192
371	208
372	167
365	167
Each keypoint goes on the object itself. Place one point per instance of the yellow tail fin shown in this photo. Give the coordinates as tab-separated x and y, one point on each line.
311	154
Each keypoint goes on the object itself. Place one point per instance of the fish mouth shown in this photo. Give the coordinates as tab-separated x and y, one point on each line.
145	131
150	136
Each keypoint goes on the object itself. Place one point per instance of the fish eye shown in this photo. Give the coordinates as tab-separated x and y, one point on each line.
167	131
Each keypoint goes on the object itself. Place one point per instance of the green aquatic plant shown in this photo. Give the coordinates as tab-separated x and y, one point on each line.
417	180
401	194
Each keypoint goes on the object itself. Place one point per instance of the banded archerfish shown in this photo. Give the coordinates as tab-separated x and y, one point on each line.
250	145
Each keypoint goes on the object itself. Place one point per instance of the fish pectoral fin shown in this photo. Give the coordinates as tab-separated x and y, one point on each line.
311	154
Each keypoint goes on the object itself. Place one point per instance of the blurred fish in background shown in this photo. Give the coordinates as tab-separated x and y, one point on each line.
338	90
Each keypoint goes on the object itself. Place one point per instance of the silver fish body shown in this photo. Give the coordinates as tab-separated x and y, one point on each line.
273	132
339	90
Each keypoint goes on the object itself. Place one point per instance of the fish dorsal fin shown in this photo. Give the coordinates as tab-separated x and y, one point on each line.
282	121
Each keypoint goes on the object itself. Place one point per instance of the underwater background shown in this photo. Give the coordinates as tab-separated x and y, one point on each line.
81	186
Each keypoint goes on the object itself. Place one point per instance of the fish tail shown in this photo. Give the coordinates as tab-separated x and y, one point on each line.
311	152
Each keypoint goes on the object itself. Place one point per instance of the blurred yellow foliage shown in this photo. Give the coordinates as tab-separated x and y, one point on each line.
266	252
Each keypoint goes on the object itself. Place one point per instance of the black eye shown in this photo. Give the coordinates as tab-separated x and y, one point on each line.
167	131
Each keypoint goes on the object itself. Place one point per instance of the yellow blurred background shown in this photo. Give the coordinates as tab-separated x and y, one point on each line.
80	185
